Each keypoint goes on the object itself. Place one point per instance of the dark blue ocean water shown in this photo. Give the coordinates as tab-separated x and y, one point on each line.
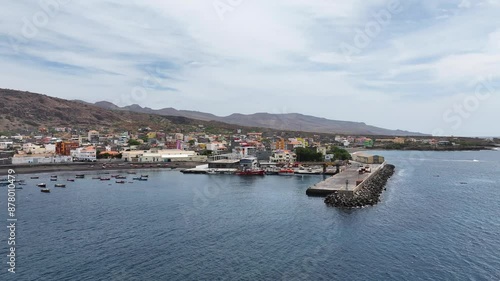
438	220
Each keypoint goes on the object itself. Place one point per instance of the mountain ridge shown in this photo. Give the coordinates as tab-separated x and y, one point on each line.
284	121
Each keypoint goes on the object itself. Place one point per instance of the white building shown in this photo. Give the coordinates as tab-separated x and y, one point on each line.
283	156
5	145
166	155
40	159
84	154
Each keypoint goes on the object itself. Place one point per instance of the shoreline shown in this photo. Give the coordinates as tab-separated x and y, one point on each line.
83	167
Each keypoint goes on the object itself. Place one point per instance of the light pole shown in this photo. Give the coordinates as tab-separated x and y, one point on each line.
346	184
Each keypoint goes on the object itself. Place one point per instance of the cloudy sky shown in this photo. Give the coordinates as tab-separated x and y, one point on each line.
431	66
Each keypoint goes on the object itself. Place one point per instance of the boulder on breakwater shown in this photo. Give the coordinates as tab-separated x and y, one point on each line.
368	194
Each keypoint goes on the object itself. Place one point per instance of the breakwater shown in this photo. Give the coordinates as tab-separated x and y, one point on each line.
367	194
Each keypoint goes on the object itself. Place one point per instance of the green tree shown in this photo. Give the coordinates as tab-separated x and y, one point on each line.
133	142
339	153
308	155
191	142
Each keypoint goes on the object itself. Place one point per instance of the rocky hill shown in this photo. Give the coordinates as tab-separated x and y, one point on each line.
288	122
25	110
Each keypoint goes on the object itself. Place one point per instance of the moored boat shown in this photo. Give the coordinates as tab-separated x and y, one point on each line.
41	185
70	179
286	172
34	178
120	182
105	179
53	179
45	190
251	173
59	185
81	176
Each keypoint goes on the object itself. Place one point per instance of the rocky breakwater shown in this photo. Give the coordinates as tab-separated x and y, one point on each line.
368	194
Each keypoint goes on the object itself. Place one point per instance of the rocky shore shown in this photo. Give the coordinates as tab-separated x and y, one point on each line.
368	194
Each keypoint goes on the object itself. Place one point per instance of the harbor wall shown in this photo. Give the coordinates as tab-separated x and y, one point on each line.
366	194
372	174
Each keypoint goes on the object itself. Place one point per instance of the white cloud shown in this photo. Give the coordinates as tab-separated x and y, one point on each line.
263	55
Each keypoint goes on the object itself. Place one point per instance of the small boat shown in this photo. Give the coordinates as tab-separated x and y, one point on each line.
70	179
96	178
212	172
34	178
120	182
80	176
53	179
144	176
286	172
53	176
41	185
105	179
121	177
251	173
114	176
137	178
45	190
131	173
143	179
59	185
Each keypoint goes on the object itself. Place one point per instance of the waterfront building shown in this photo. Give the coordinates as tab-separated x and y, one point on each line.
20	159
65	147
84	154
368	158
166	155
283	156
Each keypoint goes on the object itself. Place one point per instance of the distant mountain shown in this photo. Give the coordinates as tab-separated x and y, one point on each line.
25	110
288	122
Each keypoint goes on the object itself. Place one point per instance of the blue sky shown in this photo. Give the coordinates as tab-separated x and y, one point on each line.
431	66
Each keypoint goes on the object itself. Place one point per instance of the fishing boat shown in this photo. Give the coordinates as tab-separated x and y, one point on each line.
143	179
251	173
286	172
45	190
81	176
308	171
114	176
53	179
121	177
105	179
34	178
144	176
59	185
53	176
41	185
70	179
122	182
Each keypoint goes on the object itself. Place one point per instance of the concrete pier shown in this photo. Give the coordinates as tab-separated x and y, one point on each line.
347	181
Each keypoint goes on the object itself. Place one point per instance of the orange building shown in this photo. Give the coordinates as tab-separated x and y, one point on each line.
65	147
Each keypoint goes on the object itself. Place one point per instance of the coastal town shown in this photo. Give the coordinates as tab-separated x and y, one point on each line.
62	145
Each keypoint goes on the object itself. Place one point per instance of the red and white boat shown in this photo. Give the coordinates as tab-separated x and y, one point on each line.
286	172
251	173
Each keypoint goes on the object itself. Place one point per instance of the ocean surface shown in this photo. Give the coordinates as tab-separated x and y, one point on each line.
438	220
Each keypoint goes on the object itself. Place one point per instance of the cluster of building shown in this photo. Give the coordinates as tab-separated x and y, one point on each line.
62	145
